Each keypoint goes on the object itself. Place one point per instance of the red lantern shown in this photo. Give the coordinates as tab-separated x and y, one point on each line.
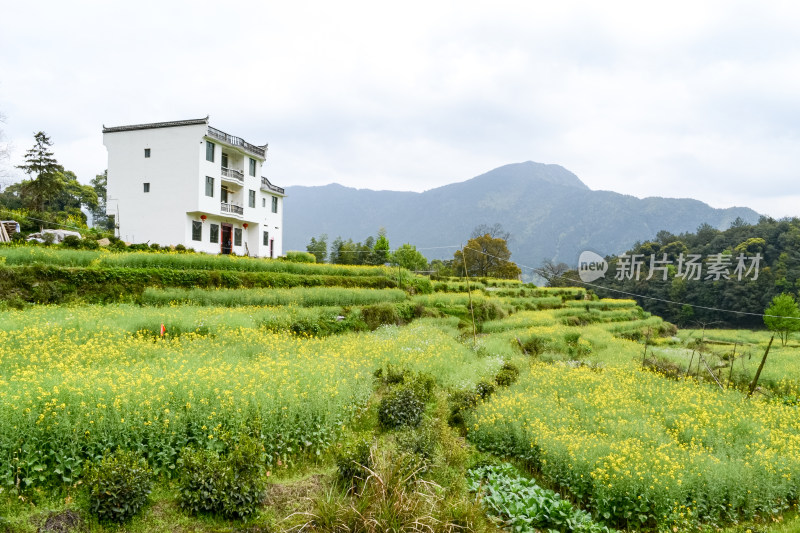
244	225
203	218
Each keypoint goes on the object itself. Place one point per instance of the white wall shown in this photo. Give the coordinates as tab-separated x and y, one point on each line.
172	170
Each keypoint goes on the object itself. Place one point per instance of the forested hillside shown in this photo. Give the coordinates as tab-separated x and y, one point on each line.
769	253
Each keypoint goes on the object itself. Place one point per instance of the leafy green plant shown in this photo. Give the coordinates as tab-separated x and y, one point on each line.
353	462
118	485
401	407
231	485
526	507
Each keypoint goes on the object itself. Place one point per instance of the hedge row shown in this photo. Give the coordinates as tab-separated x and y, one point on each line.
54	284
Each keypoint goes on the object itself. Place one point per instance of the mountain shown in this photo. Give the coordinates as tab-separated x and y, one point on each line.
549	211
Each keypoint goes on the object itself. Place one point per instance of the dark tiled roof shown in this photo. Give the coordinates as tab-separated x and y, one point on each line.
193	122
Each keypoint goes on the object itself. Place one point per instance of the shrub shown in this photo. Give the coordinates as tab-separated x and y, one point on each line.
352	463
119	485
460	402
71	241
507	375
300	257
380	314
484	388
231	485
401	407
535	345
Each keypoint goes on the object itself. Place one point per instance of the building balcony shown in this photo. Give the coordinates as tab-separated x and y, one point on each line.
231	174
267	186
231	209
260	151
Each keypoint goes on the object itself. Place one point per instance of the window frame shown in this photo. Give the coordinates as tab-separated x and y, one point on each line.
197	230
210	149
274	204
237	236
266	238
252	166
146	186
213	233
210	186
147	153
251	198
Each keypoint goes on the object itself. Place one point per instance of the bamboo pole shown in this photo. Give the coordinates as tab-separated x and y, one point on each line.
760	368
469	292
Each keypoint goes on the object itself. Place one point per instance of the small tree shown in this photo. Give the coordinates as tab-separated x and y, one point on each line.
409	258
552	272
487	257
319	248
381	248
783	316
99	217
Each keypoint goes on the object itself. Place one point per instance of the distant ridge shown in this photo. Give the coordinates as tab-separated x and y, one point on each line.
549	211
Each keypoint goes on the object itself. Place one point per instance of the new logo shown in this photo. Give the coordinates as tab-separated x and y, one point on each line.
591	266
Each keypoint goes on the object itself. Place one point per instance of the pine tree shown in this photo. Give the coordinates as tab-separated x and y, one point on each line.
47	176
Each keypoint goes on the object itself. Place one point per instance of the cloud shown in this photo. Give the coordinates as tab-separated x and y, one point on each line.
679	99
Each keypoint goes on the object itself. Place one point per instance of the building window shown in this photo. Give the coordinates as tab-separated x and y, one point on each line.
237	236
209	151
252	167
274	204
263	202
251	200
197	230
147	152
214	233
224	160
209	186
266	238
147	187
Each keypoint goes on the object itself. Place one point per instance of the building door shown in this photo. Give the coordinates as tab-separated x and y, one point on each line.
227	239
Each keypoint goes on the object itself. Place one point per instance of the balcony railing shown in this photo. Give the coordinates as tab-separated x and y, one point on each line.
267	186
232	209
233	174
237	141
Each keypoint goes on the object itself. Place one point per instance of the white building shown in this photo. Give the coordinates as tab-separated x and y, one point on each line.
187	183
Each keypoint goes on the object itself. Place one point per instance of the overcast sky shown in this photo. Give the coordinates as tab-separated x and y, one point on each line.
694	99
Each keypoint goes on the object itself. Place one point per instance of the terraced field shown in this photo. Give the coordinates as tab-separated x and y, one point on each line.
593	398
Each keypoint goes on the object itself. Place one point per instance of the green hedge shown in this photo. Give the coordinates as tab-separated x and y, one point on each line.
55	284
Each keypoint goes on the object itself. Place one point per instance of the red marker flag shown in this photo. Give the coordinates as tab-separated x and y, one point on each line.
163	330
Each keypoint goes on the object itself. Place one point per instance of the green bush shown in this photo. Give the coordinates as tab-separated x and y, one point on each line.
353	461
401	407
300	257
507	375
71	241
380	314
231	485
485	388
118	485
535	345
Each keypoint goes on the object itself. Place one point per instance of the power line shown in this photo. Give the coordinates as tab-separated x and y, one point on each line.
618	291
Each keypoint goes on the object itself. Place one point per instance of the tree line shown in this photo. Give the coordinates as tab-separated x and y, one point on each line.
486	254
